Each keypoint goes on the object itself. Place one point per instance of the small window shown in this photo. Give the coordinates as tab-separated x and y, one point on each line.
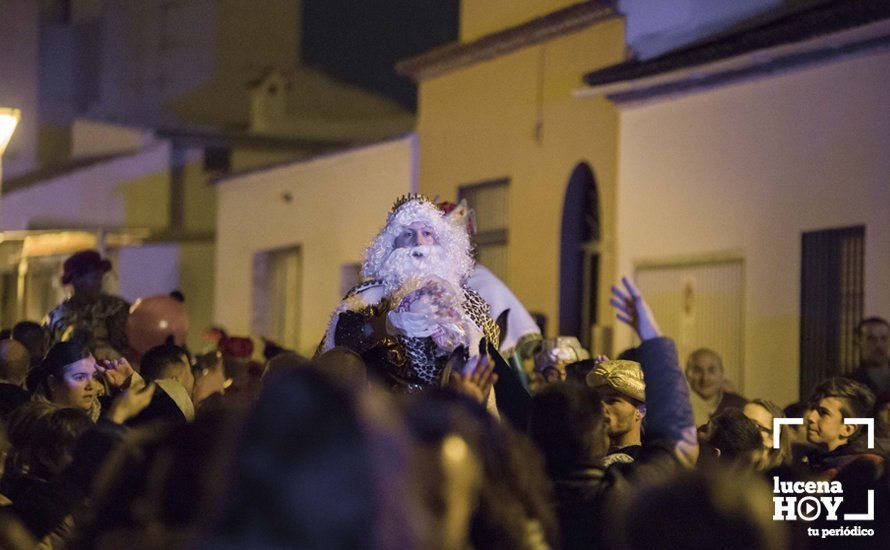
489	200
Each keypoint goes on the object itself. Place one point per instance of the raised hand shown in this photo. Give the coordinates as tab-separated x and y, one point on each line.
474	378
130	403
632	309
117	372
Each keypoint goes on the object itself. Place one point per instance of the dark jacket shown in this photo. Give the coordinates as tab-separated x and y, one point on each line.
828	464
43	504
11	397
584	495
730	400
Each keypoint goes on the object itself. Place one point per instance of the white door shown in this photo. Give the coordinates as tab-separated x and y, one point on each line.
700	304
276	295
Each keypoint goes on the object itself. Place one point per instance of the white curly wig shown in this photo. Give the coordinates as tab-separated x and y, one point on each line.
452	238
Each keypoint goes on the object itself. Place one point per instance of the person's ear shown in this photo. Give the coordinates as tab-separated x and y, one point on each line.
847	430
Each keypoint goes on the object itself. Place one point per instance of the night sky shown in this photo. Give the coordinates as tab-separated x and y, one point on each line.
359	42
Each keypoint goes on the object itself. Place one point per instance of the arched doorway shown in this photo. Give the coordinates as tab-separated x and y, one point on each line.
579	261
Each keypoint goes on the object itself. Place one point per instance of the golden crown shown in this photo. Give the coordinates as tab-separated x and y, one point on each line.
404	199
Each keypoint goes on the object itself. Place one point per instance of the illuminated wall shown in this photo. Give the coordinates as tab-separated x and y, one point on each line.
749	167
330	207
133	191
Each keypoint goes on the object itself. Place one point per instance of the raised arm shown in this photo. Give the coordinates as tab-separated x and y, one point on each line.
669	421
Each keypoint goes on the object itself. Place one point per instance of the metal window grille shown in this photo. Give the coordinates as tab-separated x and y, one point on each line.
832	282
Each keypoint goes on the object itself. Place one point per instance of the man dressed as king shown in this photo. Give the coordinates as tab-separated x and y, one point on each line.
414	309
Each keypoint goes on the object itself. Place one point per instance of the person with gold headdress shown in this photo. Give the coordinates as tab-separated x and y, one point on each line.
623	392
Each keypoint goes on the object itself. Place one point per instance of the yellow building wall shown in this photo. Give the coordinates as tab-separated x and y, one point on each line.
481	17
479	123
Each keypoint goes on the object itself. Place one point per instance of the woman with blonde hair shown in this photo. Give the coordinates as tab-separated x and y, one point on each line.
762	412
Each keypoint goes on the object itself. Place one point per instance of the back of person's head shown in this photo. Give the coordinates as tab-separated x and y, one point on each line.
15	361
514	490
856	399
345	366
56	437
305	471
23	425
795	410
164	361
34	337
169	362
568	426
702	510
284	361
735	436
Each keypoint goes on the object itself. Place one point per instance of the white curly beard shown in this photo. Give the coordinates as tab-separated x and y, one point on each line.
451	258
418	262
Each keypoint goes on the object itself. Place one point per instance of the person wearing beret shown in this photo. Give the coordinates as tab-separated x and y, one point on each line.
97	319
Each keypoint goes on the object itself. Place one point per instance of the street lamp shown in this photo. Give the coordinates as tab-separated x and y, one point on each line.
9	119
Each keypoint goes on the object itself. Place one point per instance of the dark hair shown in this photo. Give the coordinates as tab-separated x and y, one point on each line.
285	488
701	509
14	360
23	424
34	337
56	435
161	362
284	362
343	365
736	435
871	321
856	399
60	356
514	490
796	409
566	423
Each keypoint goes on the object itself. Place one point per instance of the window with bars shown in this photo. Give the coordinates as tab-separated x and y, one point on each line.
489	201
832	283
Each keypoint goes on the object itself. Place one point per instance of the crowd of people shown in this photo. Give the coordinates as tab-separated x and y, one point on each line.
411	427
